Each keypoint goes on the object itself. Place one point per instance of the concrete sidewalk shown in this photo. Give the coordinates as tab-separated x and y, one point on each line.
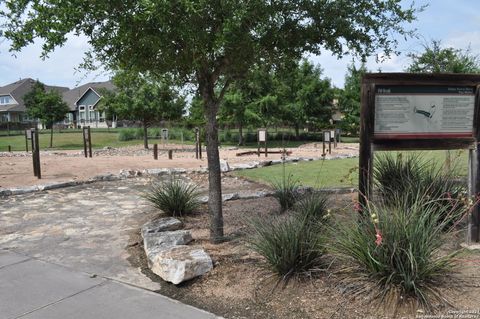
30	288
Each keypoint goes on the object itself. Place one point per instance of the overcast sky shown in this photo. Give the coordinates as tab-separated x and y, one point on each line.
455	22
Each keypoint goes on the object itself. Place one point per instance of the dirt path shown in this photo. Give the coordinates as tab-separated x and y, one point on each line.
16	168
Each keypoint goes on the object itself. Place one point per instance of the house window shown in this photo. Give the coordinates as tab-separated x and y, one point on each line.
81	108
5	99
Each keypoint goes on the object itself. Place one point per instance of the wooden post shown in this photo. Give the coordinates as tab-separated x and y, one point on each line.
199	147
196	143
26	141
89	141
366	154
323	142
155	151
37	152
473	218
9	148
170	154
84	141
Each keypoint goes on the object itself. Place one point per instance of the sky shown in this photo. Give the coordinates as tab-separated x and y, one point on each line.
455	22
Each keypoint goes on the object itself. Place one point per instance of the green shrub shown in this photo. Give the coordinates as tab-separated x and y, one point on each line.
286	191
397	177
175	197
394	251
126	134
290	245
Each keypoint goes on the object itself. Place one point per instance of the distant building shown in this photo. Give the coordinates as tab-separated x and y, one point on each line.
83	101
12	106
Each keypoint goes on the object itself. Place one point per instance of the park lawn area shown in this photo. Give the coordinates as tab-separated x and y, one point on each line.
340	172
71	141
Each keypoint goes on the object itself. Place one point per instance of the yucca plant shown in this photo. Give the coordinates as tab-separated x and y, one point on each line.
289	245
174	196
393	251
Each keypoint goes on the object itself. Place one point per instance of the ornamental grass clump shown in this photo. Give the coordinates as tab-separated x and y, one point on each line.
286	191
314	207
397	178
393	252
290	244
174	196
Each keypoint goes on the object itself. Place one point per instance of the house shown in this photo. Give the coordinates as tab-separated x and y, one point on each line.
83	102
12	106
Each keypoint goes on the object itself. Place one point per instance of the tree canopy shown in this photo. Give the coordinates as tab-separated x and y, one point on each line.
142	98
436	59
209	42
350	99
47	106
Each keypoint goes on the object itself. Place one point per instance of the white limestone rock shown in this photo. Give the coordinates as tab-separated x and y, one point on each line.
180	263
161	225
224	167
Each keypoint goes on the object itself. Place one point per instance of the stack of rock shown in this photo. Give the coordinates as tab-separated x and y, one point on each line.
168	256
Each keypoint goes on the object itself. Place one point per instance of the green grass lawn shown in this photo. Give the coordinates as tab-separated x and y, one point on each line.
72	141
338	173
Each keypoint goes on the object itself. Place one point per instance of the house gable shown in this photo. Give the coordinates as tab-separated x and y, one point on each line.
90	97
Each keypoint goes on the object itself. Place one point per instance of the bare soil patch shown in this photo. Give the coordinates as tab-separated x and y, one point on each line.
240	287
16	167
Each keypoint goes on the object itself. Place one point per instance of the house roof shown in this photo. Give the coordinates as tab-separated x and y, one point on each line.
71	97
18	89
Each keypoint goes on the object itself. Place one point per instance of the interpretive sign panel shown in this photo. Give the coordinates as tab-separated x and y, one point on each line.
262	135
403	112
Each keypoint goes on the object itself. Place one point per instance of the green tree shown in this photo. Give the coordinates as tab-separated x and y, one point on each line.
349	101
145	99
208	42
304	96
436	59
47	106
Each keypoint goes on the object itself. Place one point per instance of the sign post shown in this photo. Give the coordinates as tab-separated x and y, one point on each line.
402	111
198	144
327	137
262	138
164	136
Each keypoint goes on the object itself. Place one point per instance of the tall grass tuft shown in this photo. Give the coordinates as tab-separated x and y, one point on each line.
393	251
174	196
290	245
402	177
314	207
286	191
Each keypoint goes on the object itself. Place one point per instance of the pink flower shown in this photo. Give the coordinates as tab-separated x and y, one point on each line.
378	235
356	206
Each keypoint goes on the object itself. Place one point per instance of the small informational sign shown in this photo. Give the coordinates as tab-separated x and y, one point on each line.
28	133
85	133
165	134
326	136
412	112
262	135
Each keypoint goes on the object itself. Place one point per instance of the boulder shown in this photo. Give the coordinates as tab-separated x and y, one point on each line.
161	225
166	239
158	242
180	263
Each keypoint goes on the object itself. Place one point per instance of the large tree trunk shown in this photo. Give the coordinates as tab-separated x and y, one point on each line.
214	173
51	136
297	132
240	134
145	136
